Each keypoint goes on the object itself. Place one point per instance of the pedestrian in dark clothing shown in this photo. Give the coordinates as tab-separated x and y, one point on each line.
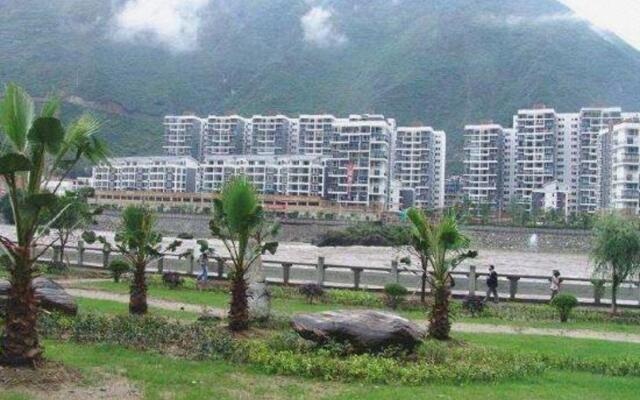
492	284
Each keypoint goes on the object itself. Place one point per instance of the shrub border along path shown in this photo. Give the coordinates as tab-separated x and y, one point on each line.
456	327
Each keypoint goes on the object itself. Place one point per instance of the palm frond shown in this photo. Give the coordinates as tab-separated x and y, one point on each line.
16	116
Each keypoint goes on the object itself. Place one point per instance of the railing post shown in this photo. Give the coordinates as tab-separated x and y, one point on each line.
220	265
192	260
320	271
472	280
286	272
105	257
395	276
513	286
80	253
160	264
57	253
638	291
597	292
356	277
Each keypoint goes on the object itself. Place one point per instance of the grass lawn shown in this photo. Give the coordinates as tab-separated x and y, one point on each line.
219	299
161	377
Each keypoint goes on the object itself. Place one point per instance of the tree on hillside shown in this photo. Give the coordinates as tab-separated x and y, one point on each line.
616	251
34	150
239	221
443	247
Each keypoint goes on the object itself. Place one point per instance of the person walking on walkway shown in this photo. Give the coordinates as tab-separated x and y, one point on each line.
203	260
555	283
492	284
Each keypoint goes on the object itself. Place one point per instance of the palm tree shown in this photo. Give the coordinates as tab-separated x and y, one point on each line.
616	251
239	221
34	151
140	243
442	246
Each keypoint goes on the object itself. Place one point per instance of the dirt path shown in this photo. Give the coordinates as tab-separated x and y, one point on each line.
570	333
456	327
164	304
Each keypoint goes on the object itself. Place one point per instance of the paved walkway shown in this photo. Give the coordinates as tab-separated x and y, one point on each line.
163	304
456	327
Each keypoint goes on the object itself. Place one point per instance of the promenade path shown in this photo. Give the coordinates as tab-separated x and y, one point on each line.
456	327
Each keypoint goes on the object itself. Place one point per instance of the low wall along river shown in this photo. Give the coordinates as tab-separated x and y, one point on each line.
527	256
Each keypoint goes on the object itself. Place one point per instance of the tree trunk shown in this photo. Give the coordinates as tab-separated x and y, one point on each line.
614	296
20	345
423	287
439	325
239	307
138	297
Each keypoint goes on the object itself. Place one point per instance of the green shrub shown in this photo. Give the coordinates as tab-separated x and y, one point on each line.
196	340
172	280
185	235
118	268
474	305
337	364
395	294
564	303
367	234
311	291
56	268
353	298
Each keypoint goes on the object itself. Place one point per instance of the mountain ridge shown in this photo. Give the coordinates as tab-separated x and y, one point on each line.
443	63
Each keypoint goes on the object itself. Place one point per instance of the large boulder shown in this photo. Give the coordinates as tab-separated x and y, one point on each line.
365	330
52	296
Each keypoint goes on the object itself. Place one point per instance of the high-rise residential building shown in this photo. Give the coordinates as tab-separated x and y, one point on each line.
592	122
418	164
484	164
509	165
182	135
223	135
536	131
355	161
160	174
272	135
285	175
358	168
619	167
567	158
314	134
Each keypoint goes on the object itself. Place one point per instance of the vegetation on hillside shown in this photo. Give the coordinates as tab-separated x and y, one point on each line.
440	63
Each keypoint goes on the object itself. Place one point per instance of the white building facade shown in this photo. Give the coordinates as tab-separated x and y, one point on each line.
358	168
291	175
182	135
484	164
418	165
619	167
161	174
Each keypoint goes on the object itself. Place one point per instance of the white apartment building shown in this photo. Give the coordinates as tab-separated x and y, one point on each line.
182	135
223	135
358	170
619	166
536	131
418	165
592	122
292	175
568	157
509	165
314	134
484	164
160	174
272	135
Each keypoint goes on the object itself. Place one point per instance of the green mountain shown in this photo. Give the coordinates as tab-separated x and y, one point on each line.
440	62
